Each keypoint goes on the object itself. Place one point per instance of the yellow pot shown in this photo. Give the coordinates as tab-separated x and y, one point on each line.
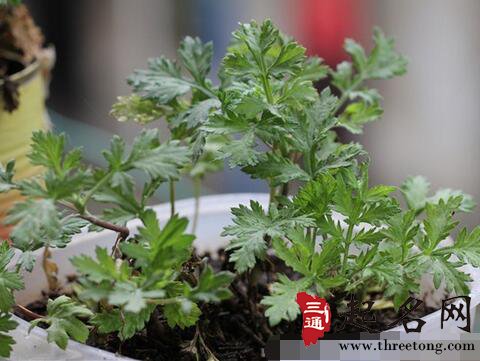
16	128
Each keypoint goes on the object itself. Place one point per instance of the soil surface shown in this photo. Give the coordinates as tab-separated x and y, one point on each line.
236	329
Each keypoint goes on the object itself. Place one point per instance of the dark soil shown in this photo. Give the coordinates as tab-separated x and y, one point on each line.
236	329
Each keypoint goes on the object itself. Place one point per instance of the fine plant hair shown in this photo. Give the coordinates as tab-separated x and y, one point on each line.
336	232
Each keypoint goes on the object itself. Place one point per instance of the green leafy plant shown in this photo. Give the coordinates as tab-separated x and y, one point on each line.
324	221
367	242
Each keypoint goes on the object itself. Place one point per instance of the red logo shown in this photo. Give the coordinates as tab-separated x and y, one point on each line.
316	317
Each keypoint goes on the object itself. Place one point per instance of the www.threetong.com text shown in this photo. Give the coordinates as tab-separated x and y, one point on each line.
386	345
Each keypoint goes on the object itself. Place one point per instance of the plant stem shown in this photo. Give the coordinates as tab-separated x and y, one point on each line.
50	268
171	184
272	194
348	241
95	188
165	301
115	252
124	231
197	189
267	89
347	92
96	221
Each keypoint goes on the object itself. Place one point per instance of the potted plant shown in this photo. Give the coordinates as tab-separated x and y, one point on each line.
141	289
24	73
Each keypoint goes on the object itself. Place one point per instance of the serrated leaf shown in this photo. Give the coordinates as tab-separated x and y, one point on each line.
467	205
182	314
6	341
212	287
27	261
455	280
438	222
357	114
241	152
9	281
467	246
198	114
277	169
415	190
281	304
162	81
6	177
103	270
163	161
251	227
383	61
36	222
63	319
127	323
196	56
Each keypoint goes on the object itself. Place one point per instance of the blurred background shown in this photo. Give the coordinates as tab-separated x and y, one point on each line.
432	115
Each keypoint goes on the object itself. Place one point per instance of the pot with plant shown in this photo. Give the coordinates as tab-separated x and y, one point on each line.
24	74
145	288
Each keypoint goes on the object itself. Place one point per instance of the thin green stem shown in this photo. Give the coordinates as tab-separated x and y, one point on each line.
272	194
171	184
197	189
348	241
346	93
164	301
95	188
267	88
204	90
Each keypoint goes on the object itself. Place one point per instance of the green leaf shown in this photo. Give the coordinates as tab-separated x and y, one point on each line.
182	314
383	61
241	152
212	287
402	228
384	272
316	196
126	323
439	222
313	69
103	270
168	248
198	114
292	256
63	318
415	190
282	305
467	205
6	341
147	154
47	149
355	50
132	298
251	228
277	169
6	177
161	82
9	281
36	221
357	114
27	261
467	247
455	280
163	161
196	56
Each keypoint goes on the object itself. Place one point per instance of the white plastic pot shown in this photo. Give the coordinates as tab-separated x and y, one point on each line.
214	215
